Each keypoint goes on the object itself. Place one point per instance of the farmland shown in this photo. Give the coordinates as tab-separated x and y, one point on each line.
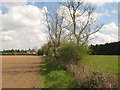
108	63
21	71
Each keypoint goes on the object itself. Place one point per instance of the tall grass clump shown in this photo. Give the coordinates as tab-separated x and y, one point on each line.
59	79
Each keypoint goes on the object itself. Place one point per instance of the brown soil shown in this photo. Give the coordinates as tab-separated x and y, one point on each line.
20	71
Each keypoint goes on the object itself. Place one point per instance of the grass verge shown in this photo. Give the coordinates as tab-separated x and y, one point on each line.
41	82
55	76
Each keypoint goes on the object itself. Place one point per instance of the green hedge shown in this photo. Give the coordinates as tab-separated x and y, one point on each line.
71	52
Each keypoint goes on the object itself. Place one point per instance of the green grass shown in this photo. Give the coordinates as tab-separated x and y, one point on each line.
108	63
59	79
54	75
40	84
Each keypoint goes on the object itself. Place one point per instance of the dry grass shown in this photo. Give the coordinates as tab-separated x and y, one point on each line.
20	71
91	78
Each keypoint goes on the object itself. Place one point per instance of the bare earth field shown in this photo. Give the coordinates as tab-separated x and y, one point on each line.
20	71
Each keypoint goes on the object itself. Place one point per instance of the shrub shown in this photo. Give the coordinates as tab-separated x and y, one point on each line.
48	65
59	79
71	52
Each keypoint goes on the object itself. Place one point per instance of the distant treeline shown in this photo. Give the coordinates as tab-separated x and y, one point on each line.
18	52
106	49
14	51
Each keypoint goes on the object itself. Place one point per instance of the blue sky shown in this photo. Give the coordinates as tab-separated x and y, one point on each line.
113	16
107	11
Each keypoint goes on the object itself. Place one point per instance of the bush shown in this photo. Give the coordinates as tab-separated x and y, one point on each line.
59	79
71	52
48	65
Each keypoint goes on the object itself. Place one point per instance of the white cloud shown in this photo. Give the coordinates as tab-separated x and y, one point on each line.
23	17
101	38
0	12
109	33
23	27
111	27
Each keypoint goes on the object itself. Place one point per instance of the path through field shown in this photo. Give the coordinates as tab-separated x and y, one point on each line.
20	71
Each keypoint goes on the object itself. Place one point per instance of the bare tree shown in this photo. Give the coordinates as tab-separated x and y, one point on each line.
81	29
55	30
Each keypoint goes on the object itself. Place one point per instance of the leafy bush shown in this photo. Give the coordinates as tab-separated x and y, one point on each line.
71	52
48	65
59	79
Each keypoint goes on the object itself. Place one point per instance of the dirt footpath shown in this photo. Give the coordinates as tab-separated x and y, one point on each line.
20	71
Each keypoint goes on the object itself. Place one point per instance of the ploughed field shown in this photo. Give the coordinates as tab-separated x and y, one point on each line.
20	71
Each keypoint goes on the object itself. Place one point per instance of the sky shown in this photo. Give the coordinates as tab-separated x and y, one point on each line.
23	23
